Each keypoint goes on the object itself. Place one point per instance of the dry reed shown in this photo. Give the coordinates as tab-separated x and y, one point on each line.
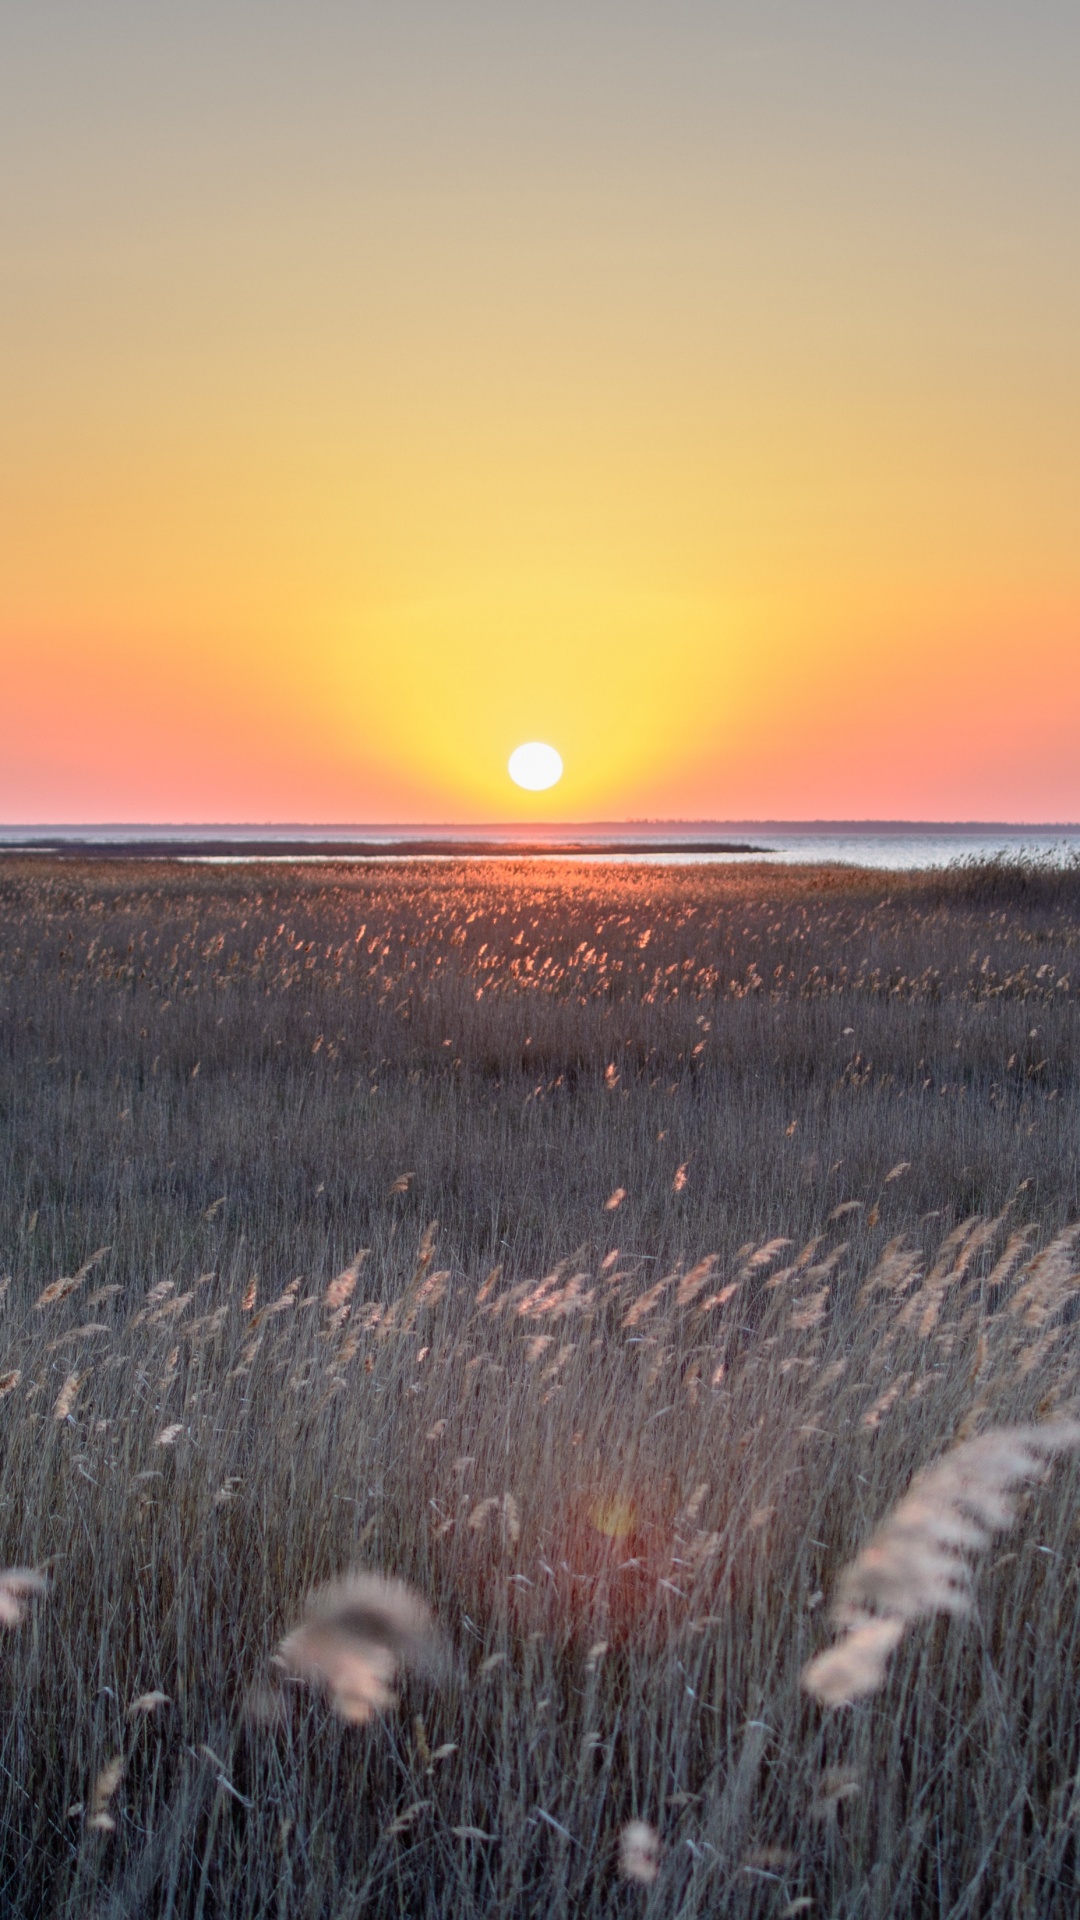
355	1637
859	1078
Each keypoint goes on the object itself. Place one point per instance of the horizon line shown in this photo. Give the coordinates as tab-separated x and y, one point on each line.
525	829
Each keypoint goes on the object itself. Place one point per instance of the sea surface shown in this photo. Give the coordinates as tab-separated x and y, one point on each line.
890	845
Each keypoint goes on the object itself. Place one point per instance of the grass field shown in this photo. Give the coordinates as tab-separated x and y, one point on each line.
702	1208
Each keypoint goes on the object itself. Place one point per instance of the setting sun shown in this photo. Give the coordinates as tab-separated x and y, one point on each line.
535	766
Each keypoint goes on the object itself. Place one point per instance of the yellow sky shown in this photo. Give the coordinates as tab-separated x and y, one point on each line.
699	395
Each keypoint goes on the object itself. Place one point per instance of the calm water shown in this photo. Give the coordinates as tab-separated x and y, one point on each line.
875	844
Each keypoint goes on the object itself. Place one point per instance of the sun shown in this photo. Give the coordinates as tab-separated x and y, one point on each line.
535	766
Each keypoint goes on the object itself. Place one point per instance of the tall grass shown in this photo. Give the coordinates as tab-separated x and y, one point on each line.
623	1453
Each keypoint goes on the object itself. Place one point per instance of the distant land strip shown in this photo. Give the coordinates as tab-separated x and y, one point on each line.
71	849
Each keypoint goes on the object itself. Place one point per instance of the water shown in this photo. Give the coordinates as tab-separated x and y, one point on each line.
887	845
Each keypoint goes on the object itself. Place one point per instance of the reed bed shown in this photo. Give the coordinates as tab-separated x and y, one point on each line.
602	1254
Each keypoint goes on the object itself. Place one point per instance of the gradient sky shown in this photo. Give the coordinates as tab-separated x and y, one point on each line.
693	385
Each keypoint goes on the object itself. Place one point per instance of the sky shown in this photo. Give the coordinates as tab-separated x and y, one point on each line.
691	385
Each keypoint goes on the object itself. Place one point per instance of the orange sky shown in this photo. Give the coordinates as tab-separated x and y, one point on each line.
381	388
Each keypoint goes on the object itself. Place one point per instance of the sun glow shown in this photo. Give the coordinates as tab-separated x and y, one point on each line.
535	766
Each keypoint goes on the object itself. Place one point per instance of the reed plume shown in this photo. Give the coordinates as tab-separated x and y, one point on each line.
916	1563
639	1852
341	1289
17	1584
105	1786
355	1637
66	1397
59	1289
